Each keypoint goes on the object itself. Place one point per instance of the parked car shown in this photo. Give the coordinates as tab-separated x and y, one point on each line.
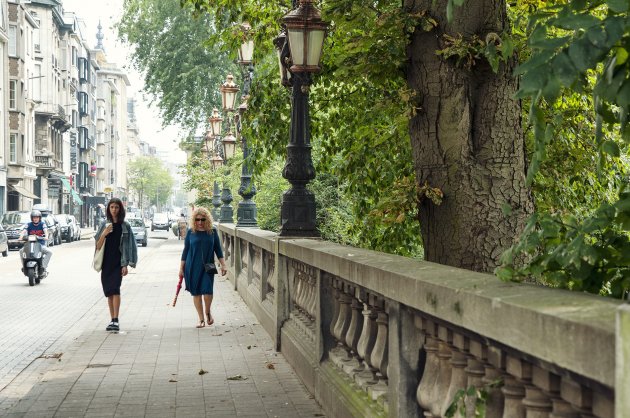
75	225
139	231
13	223
4	243
160	221
69	230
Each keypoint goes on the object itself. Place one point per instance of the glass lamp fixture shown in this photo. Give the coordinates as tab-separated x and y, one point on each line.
246	50
282	50
228	93
216	161
306	31
229	146
215	122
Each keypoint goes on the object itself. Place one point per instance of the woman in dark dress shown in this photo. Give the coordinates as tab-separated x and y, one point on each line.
200	246
120	252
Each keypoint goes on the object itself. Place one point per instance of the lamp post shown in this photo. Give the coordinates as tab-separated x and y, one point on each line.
228	90
246	212
305	33
216	122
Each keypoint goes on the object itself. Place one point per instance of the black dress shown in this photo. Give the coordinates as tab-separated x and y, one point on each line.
111	275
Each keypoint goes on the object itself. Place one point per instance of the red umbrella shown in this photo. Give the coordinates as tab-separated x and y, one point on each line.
179	287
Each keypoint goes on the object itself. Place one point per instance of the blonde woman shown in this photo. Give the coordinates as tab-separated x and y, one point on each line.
200	246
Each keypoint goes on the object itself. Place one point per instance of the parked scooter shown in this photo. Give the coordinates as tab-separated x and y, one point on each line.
31	255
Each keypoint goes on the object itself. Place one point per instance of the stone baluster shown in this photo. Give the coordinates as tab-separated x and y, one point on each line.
334	294
520	373
298	290
459	354
492	378
312	304
604	404
425	394
340	353
379	357
475	372
353	335
365	345
579	397
444	370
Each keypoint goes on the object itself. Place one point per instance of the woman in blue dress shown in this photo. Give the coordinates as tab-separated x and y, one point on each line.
200	247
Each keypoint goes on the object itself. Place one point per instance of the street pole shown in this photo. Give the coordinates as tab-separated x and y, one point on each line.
246	212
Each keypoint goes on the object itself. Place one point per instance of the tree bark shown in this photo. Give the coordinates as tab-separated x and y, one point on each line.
467	140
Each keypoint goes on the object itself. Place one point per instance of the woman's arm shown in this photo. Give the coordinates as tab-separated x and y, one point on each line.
219	252
182	264
102	232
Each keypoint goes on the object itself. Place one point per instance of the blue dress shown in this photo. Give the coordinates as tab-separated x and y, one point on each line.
200	247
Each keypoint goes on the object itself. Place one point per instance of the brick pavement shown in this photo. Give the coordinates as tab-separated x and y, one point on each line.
155	366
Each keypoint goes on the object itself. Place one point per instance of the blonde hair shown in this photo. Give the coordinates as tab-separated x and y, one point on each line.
204	213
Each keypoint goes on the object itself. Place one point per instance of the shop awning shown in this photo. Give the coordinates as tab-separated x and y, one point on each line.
75	195
21	190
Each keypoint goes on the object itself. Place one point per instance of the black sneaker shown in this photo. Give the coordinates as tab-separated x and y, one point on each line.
115	326
112	326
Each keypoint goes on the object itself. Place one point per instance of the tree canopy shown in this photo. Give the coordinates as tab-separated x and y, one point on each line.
150	180
573	76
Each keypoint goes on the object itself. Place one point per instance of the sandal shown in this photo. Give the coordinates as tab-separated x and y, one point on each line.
201	324
210	319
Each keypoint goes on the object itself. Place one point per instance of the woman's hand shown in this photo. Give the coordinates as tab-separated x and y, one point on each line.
181	273
223	270
108	229
123	271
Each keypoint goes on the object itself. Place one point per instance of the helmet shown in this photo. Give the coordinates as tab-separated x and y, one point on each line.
35	213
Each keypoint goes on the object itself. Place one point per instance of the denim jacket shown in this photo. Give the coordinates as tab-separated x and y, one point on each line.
128	246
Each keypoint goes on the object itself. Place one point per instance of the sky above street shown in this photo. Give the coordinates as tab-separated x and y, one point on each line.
149	122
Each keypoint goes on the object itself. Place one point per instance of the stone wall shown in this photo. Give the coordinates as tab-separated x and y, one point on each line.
373	334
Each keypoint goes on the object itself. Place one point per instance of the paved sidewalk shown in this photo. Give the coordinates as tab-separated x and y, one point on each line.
160	365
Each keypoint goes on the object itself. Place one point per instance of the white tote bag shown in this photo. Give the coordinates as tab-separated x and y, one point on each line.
97	263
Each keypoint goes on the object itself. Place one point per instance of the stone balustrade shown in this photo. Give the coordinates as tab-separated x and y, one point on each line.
372	334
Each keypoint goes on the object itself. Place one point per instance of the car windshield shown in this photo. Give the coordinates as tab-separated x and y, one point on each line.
16	218
135	222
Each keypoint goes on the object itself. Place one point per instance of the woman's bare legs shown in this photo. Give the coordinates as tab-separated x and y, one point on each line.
199	308
208	302
113	302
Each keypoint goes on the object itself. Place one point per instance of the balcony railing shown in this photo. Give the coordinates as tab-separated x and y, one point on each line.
373	334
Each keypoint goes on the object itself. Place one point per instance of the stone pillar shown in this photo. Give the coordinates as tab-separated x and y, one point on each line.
622	362
425	394
405	343
282	293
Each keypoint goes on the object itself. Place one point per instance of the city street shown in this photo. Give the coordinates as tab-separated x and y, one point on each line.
35	317
58	360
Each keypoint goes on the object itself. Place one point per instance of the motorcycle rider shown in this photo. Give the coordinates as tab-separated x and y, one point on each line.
38	227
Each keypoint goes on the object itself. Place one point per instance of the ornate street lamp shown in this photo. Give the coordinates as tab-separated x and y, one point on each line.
229	146
282	48
246	50
228	93
216	122
305	37
216	162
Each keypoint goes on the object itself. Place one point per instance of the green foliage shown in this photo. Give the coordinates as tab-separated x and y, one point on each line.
362	158
181	73
574	81
148	177
479	395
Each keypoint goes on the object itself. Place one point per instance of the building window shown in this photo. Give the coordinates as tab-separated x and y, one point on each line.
13	94
84	70
83	103
13	148
13	41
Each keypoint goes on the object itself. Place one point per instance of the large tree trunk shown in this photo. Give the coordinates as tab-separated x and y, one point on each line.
467	140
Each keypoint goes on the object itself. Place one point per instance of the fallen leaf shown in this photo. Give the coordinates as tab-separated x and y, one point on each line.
249	347
217	335
237	377
202	372
172	381
270	366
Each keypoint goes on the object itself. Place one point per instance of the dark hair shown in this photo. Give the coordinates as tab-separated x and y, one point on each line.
121	212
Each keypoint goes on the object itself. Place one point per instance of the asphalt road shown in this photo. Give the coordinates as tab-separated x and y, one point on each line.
34	318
